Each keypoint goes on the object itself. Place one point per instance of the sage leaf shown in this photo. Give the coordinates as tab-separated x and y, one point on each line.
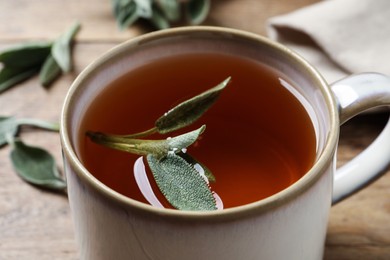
36	166
190	110
144	8
61	49
49	72
197	11
191	160
160	13
170	9
8	128
25	55
10	76
181	184
158	19
158	148
38	123
183	141
125	12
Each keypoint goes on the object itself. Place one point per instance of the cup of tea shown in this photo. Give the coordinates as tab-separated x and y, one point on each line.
270	143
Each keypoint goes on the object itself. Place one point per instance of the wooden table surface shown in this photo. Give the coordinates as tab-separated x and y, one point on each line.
36	224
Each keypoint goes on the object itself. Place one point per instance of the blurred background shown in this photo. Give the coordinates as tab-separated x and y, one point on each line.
36	224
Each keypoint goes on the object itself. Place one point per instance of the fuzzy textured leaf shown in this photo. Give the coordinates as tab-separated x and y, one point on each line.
190	110
61	49
36	166
191	160
181	184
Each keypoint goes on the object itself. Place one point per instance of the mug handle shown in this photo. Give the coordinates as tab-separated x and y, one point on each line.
354	95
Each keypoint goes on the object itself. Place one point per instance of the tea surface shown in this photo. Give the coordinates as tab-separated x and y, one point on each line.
259	139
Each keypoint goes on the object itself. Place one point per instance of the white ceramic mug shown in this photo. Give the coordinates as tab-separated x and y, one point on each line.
290	225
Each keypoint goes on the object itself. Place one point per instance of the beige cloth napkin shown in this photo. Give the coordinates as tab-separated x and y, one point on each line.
338	37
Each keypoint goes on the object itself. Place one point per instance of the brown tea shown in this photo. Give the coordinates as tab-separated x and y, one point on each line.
259	138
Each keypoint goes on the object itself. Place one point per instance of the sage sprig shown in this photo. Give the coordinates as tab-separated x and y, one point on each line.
49	59
33	164
174	170
181	184
159	148
161	14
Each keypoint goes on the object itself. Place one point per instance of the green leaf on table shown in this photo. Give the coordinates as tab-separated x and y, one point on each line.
36	166
126	12
170	9
190	110
10	76
25	55
197	11
160	13
61	49
8	128
181	184
158	148
42	124
49	72
159	20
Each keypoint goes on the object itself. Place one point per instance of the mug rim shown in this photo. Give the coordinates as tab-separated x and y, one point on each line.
277	199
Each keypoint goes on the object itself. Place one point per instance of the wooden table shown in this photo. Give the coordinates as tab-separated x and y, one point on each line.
36	224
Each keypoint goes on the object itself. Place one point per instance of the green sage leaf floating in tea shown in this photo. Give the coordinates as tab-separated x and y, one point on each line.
61	49
191	160
197	11
36	166
181	184
158	148
183	114
190	110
